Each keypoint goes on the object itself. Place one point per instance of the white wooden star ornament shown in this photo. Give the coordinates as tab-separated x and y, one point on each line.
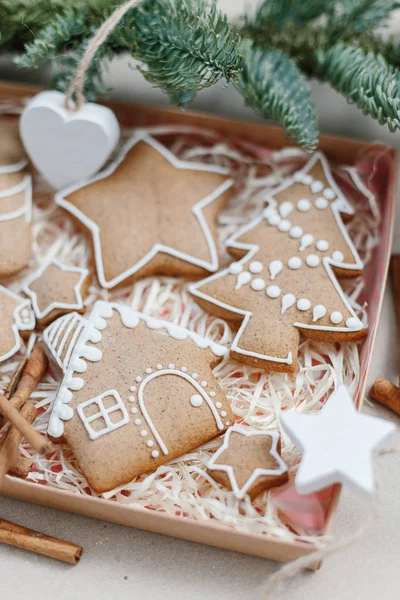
337	445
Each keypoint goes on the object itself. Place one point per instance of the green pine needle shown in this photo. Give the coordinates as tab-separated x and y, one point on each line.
365	80
272	84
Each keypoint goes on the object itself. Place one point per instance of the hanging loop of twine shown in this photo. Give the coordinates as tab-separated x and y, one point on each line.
76	85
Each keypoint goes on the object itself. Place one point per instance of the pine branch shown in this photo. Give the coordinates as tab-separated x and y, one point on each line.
366	81
183	45
278	12
272	85
360	15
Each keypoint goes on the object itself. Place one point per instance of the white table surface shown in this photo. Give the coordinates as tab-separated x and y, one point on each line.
120	562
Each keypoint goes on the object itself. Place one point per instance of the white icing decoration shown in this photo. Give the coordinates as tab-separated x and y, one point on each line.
258	284
77	305
240	492
306	241
235	268
285	209
242	279
184	369
197	211
294	262
138	421
218	404
273	291
313	260
149	370
303	205
212	394
171	366
255	267
56	343
296	232
338	256
284	225
319	311
316	186
303	304
274	219
336	317
354	323
307	179
134	410
275	267
159	366
223	413
150	443
26	209
196	400
322	245
204	384
287	301
321	203
143	433
329	193
188	378
138	379
155	453
133	388
102	413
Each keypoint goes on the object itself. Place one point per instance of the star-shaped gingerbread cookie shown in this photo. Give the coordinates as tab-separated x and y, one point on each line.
150	213
15	317
57	289
248	462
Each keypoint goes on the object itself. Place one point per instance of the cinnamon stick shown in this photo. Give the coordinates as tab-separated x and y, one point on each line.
31	375
386	393
40	443
21	537
23	383
21	467
9	448
395	275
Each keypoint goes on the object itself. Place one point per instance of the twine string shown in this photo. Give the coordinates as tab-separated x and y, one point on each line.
76	85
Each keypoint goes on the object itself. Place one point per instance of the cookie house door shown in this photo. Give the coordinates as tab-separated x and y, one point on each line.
178	410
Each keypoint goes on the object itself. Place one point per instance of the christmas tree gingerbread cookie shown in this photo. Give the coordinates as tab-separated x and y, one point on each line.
284	282
16	317
136	392
248	462
57	289
150	213
15	201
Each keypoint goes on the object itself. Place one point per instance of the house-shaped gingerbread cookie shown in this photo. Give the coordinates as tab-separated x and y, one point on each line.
136	392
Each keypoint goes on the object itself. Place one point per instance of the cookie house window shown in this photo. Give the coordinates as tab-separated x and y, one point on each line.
103	414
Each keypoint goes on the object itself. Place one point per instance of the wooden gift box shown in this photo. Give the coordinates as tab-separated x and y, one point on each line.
342	150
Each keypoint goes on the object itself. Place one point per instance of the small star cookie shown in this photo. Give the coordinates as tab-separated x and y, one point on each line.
248	462
57	289
16	317
150	213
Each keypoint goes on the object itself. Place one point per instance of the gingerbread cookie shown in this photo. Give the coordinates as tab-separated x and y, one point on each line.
12	153
15	201
137	392
150	213
16	317
284	282
248	462
57	289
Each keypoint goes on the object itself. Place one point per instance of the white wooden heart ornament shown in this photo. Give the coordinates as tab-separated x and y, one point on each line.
67	146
